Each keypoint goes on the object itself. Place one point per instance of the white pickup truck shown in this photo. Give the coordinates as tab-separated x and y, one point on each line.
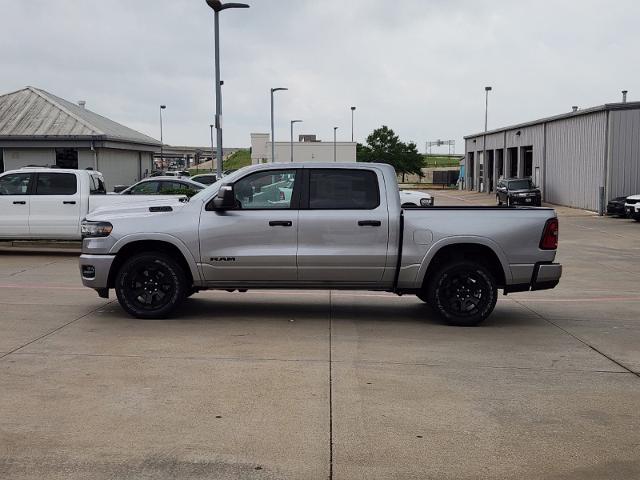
49	203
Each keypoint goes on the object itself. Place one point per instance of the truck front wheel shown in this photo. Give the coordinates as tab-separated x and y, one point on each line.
150	285
463	293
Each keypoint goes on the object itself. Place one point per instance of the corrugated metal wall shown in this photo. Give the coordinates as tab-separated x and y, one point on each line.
624	170
575	160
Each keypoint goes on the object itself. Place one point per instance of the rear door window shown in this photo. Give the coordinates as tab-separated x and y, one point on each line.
97	185
56	184
15	184
343	189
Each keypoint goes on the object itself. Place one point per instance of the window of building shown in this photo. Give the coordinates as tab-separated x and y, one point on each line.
67	158
343	189
1	160
56	184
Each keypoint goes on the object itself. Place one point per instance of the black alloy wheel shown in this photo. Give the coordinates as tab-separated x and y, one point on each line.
150	285
464	293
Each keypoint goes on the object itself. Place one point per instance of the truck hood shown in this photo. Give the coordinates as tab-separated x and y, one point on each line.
148	207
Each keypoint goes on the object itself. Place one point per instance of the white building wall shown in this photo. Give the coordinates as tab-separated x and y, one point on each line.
86	159
322	152
119	167
21	157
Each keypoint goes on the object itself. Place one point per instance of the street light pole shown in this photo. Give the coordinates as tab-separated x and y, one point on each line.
211	166
162	107
217	7
292	122
353	109
273	135
335	129
484	142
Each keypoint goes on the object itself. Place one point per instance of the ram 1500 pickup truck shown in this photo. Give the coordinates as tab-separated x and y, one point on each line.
49	203
341	227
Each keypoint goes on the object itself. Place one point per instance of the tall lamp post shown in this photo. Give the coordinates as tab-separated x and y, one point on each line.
335	129
484	141
353	109
292	122
211	166
273	135
217	7
162	107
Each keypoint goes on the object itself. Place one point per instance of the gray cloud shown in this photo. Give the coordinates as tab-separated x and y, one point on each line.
418	66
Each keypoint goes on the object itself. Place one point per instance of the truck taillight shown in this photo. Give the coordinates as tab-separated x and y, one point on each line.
281	195
549	240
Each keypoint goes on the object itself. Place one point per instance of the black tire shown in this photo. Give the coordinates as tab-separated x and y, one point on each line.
463	293
150	285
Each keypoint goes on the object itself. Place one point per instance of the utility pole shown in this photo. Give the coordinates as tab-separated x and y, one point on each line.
273	135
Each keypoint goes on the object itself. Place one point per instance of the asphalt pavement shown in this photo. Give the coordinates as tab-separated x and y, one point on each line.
326	384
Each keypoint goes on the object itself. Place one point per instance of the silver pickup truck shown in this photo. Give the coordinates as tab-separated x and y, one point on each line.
318	226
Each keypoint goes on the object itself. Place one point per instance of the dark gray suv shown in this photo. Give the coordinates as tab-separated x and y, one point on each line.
518	191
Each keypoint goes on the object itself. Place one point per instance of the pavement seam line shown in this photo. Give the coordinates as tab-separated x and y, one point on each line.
330	389
54	330
350	362
585	343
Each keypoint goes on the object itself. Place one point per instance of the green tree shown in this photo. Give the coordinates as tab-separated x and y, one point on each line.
384	146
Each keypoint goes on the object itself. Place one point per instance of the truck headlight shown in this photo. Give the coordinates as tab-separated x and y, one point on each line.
426	202
95	229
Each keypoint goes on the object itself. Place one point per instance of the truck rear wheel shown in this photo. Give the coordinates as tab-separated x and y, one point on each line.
150	285
463	293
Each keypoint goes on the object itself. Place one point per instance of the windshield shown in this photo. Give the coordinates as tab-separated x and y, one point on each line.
206	193
520	185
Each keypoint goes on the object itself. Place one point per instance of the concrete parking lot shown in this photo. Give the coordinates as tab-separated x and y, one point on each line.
316	385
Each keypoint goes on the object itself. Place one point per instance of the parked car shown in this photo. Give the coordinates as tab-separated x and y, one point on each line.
615	207
164	186
342	227
170	173
205	178
632	207
518	191
413	198
49	203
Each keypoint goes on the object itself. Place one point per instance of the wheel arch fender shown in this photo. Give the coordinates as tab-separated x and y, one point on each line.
467	246
144	242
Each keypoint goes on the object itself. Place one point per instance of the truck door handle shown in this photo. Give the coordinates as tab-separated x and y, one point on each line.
369	223
19	202
69	202
280	223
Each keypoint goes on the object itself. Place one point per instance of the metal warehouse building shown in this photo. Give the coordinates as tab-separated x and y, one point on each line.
38	128
571	157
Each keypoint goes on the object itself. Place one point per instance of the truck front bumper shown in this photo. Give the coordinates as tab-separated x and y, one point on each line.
545	276
94	270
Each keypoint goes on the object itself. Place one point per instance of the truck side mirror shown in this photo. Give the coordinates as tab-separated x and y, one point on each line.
225	199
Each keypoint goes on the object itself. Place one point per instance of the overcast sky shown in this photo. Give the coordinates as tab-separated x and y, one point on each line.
418	66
